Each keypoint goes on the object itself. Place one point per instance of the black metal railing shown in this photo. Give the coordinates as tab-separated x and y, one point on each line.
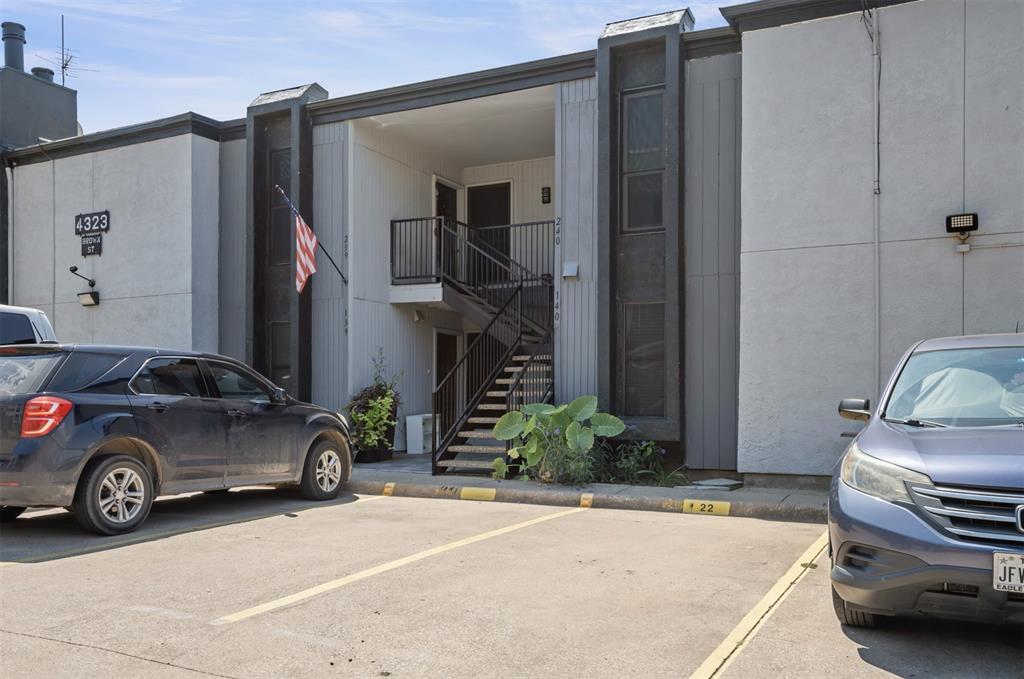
530	244
535	382
463	388
517	299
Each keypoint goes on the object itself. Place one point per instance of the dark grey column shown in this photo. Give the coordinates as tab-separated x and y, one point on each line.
640	222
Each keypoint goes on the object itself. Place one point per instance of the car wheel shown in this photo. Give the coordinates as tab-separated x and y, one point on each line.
10	513
326	470
114	495
848	616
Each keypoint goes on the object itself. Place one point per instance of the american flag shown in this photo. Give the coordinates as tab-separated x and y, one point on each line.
305	252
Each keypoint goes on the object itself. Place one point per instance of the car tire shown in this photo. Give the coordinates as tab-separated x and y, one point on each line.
114	495
327	468
8	514
850	617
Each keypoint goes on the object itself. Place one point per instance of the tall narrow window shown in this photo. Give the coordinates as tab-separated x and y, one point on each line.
643	161
644	359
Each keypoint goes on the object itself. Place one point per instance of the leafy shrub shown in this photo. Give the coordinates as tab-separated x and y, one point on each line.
373	410
554	443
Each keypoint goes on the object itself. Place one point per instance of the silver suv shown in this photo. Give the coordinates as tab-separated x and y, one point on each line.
21	325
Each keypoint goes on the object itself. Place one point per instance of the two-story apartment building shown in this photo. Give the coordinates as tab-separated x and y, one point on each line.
719	232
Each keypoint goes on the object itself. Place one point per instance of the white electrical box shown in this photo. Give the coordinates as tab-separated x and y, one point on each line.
419	434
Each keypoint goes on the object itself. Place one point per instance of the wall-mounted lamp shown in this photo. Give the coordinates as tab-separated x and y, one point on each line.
91	298
962	224
417	316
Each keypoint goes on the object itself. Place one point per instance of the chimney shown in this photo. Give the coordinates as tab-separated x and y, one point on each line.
43	73
14	45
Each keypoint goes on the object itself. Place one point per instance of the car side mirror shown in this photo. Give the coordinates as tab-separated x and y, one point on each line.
279	396
855	409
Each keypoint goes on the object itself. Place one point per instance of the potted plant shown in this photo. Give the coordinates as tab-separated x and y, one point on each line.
373	413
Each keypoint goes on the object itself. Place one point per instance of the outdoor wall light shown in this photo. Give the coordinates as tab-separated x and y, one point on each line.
91	298
962	224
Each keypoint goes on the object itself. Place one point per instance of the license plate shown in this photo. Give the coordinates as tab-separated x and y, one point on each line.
1008	572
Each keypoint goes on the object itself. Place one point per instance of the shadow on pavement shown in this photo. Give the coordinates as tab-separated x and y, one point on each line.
909	647
46	535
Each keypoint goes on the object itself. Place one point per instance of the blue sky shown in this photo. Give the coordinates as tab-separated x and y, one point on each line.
156	58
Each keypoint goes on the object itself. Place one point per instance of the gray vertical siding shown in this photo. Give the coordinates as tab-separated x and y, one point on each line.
712	230
576	212
330	298
233	248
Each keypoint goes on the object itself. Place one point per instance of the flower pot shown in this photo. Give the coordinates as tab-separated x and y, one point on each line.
381	453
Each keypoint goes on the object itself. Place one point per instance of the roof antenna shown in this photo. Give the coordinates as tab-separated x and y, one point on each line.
64	62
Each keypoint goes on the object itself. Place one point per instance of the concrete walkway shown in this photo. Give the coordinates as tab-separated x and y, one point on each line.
409	476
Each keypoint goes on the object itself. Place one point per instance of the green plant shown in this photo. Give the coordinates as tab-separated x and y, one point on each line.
373	410
662	477
635	458
554	443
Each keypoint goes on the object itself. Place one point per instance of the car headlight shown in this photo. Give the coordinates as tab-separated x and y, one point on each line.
875	477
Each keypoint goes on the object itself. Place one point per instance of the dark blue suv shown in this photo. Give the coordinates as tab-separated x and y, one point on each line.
103	430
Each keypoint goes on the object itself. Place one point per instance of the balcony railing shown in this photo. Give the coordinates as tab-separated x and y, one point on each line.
420	253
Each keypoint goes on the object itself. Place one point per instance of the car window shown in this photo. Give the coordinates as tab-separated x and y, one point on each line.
961	387
25	373
170	377
237	384
82	369
16	329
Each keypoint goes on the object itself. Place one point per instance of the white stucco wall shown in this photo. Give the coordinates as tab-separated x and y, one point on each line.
952	140
157	276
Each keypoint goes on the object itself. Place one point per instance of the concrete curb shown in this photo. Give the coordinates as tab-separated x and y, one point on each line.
703	502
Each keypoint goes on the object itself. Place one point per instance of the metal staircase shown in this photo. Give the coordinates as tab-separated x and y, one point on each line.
509	363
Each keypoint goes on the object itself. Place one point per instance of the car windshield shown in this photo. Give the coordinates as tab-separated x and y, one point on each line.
961	388
24	373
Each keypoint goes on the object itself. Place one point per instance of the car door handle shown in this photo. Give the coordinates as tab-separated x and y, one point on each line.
157	406
236	413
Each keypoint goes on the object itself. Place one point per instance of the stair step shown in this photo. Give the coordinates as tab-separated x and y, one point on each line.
526	357
499	394
468	448
483	420
491	406
477	434
470	464
533	368
525	380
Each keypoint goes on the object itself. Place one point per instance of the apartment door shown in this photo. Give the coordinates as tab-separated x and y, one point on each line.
447	206
491	205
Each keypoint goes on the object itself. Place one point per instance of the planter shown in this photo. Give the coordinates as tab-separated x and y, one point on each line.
381	453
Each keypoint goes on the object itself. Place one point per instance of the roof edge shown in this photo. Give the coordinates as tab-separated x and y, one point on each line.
521	76
751	16
162	128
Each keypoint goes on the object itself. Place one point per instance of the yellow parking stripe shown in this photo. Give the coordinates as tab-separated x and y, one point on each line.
722	656
471	493
383	568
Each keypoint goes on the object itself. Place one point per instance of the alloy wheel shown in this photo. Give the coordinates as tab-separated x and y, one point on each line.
328	471
121	495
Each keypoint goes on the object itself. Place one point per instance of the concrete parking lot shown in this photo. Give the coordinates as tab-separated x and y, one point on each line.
258	583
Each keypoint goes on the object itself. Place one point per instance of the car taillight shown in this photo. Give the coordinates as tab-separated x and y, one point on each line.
42	414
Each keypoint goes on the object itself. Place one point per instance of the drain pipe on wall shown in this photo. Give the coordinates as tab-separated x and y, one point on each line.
870	19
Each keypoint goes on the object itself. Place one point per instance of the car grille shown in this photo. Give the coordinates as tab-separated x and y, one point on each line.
987	517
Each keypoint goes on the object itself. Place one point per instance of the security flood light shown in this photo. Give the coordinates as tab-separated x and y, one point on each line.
91	298
962	224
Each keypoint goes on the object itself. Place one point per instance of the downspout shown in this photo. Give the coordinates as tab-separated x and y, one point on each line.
876	189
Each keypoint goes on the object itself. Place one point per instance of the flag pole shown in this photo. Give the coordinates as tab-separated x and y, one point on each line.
319	243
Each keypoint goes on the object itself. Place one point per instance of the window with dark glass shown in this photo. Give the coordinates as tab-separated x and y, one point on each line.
280	214
643	161
169	377
236	384
644	359
16	329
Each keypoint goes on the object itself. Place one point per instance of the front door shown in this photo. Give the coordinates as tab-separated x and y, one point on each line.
173	408
259	430
447	206
491	205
